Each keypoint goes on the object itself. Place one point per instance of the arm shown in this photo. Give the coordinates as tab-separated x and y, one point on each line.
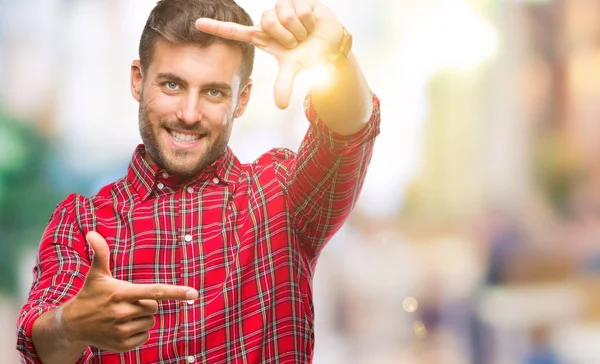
324	181
52	340
58	275
345	103
75	302
329	172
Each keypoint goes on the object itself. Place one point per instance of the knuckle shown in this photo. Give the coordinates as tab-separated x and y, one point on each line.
157	293
121	332
119	313
268	22
290	43
304	14
267	14
118	296
287	17
282	4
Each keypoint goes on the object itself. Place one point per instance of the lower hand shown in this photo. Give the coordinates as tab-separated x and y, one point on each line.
111	314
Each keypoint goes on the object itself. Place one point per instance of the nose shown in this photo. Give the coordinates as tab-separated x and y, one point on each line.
189	109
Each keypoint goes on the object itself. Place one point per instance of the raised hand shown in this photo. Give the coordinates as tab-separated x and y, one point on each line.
111	314
298	33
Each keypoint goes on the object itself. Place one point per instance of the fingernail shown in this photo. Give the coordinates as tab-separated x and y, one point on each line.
191	294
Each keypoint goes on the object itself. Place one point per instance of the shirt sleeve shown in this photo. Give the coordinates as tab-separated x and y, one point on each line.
326	177
60	270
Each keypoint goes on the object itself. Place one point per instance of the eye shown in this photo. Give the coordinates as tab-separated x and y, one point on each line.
214	93
171	86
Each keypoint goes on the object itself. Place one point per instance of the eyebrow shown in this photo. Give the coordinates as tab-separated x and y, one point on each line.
172	77
223	86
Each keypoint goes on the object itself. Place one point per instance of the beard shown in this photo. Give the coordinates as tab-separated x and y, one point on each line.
182	163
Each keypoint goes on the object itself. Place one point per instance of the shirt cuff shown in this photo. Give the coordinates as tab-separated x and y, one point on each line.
25	344
343	144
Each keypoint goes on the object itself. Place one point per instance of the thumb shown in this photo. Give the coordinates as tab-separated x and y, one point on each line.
100	261
285	82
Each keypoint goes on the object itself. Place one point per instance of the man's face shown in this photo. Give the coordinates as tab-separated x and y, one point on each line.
188	99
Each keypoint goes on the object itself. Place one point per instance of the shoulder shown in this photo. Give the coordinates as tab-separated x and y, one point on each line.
81	209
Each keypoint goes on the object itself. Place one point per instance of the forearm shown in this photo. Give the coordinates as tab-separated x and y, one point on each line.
325	178
52	340
344	103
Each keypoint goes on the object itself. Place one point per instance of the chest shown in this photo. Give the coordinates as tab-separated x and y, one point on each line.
200	236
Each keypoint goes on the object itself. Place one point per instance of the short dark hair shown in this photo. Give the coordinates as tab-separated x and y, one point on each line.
174	20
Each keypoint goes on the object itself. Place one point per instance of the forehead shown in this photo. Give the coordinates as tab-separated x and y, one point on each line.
216	62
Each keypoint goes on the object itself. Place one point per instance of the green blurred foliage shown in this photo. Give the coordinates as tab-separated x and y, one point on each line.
26	196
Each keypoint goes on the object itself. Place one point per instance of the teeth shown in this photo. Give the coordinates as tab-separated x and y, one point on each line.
184	138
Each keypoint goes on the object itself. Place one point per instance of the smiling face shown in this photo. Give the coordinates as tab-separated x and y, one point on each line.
189	97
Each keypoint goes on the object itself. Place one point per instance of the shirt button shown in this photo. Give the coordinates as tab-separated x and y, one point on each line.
191	359
215	180
160	186
165	175
190	190
190	302
188	238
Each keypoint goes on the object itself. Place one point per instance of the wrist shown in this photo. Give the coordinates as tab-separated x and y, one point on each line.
67	324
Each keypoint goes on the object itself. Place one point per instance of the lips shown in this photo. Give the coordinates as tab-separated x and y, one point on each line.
184	138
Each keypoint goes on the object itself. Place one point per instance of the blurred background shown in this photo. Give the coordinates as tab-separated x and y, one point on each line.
477	235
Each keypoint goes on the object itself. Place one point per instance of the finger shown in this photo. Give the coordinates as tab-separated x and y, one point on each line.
229	30
157	292
304	12
101	259
138	339
288	18
126	311
149	307
132	342
273	28
284	83
136	326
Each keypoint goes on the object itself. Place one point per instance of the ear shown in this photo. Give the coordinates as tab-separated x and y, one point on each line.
137	80
243	100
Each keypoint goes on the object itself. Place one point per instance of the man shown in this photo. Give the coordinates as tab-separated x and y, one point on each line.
193	256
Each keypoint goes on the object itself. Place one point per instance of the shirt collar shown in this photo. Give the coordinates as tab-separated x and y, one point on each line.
145	177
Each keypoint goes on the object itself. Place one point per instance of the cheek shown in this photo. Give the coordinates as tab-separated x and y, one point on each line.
162	107
216	117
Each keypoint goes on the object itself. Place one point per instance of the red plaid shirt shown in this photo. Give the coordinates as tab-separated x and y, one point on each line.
247	236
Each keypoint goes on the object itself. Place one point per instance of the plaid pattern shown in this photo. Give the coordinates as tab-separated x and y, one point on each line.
247	236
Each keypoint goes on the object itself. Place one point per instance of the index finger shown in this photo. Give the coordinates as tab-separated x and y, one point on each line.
157	292
227	30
